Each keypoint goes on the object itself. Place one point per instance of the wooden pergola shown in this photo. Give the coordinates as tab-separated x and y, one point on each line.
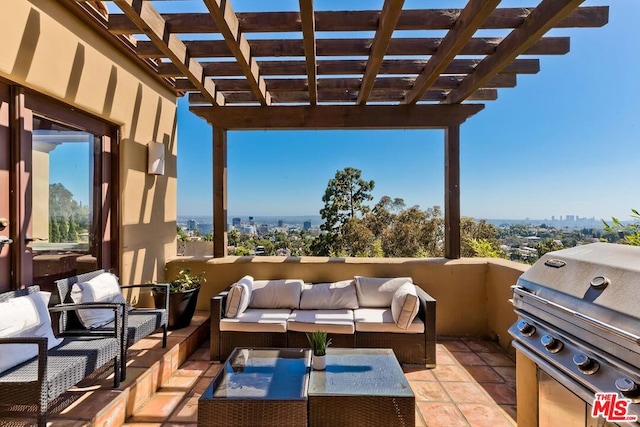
283	70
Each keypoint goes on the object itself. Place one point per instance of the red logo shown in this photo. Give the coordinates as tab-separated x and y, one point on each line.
612	407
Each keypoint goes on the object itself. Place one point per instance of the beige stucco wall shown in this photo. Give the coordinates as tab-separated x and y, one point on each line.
472	293
46	48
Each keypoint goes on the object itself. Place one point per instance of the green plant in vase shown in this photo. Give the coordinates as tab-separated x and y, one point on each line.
319	342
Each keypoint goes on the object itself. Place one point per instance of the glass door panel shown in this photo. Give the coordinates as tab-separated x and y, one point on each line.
65	187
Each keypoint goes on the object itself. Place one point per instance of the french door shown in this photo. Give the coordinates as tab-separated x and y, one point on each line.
58	183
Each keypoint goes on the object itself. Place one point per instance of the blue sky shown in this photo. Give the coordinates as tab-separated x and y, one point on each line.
563	141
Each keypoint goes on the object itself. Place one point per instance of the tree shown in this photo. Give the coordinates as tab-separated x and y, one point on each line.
630	232
548	245
343	199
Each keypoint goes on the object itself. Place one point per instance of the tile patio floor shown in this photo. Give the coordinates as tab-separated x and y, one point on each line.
473	385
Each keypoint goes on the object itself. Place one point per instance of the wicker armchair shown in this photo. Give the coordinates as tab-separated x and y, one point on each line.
140	323
37	382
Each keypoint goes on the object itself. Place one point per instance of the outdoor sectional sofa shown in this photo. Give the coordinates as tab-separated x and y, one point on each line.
363	312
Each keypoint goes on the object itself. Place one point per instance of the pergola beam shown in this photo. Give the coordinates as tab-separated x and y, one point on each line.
282	98
358	20
308	23
538	22
338	116
388	20
154	26
347	66
219	192
452	192
353	47
468	22
227	23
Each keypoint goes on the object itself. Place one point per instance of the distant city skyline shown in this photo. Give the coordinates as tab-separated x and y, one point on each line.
563	141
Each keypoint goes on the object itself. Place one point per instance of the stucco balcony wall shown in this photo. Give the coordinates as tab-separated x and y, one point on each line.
472	293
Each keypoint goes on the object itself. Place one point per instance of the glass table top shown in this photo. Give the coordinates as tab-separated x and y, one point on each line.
267	374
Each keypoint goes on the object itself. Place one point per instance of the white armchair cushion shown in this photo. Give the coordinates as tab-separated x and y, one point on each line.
24	317
328	296
331	321
102	288
276	293
405	305
239	297
378	291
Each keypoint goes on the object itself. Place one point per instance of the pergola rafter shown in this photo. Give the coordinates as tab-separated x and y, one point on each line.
308	22
227	23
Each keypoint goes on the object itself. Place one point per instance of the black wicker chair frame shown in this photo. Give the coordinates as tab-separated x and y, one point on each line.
37	382
408	348
141	322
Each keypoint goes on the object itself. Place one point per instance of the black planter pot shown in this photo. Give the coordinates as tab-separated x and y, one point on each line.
182	305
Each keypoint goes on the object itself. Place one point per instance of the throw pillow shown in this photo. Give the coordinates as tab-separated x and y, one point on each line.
377	292
24	317
405	305
281	293
239	297
329	296
102	288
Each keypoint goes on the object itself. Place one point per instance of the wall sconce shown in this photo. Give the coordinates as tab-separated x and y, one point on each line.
156	158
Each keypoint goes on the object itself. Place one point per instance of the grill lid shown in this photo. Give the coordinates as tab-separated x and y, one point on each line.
600	280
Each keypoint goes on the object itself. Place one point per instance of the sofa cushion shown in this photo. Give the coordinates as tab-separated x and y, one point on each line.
329	296
405	305
276	293
257	320
102	288
239	297
24	317
378	291
332	321
381	320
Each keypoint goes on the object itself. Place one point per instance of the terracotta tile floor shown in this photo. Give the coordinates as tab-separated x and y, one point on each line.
473	385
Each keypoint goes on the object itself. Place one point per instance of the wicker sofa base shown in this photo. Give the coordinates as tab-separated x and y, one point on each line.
408	348
299	340
230	340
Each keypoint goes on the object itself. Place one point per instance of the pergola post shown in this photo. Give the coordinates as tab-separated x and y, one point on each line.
219	192
452	192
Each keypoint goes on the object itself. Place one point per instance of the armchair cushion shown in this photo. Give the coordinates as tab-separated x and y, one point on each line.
378	291
102	288
239	297
381	320
25	316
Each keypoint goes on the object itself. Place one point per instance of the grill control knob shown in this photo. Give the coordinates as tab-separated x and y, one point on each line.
627	387
526	328
585	364
551	344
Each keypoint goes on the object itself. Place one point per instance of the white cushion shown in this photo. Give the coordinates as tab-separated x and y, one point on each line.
378	291
276	293
102	288
329	296
23	317
257	320
239	297
405	305
332	321
381	320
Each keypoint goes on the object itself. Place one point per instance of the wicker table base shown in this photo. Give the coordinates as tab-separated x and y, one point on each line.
360	387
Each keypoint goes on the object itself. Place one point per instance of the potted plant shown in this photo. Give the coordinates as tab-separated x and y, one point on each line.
183	297
319	343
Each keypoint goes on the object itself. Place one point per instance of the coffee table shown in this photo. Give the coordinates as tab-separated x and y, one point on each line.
258	387
360	387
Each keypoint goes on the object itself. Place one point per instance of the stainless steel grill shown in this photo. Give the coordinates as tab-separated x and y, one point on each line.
579	321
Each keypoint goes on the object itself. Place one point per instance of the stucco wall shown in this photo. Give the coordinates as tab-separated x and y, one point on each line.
46	48
472	293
